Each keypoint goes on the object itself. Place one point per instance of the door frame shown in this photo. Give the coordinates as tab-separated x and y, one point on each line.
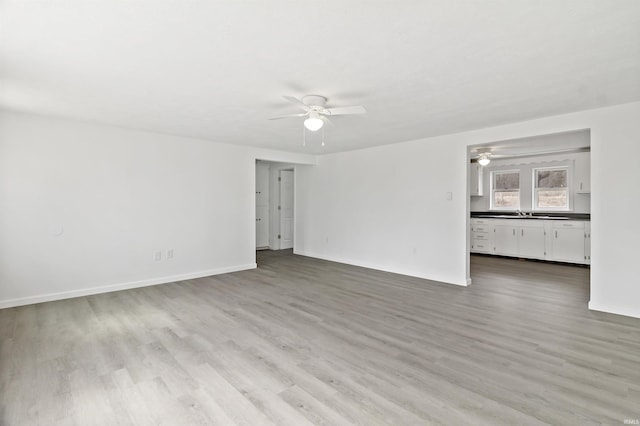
274	198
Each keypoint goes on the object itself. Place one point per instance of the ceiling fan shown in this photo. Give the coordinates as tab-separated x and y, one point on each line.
484	158
315	111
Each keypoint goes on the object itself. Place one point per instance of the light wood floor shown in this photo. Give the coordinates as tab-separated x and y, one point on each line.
303	341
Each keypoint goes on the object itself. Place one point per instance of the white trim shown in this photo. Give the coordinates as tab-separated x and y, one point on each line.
408	273
10	303
612	310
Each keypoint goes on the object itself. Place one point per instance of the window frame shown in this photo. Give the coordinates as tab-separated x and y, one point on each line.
534	189
492	189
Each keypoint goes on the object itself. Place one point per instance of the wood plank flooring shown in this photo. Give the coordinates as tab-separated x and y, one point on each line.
303	341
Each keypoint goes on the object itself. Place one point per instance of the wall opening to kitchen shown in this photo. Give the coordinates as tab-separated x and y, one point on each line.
530	201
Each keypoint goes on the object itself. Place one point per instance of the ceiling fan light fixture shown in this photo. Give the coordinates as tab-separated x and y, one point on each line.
484	159
313	123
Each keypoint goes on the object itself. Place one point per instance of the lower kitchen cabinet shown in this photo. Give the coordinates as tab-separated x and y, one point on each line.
482	236
531	241
587	243
521	238
506	241
555	240
567	241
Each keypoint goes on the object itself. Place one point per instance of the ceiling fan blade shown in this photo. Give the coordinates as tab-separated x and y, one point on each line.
297	102
302	114
326	120
356	109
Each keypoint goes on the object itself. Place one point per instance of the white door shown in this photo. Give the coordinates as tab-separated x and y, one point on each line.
286	209
262	206
262	227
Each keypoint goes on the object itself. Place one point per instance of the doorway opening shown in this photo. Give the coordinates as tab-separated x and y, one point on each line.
275	224
529	200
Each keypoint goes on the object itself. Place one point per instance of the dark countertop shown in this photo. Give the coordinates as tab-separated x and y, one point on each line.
536	216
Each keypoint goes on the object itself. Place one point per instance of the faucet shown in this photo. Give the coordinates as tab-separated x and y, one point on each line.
521	213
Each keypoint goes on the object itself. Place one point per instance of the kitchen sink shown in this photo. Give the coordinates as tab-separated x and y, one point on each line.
507	216
549	217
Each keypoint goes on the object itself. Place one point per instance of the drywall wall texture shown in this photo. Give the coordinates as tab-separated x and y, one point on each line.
388	207
88	209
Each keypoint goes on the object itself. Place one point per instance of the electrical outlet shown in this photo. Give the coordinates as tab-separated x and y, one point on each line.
170	254
157	256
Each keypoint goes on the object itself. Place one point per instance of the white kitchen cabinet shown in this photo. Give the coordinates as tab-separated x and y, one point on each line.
475	179
520	238
506	240
567	241
582	173
531	239
481	236
587	243
555	240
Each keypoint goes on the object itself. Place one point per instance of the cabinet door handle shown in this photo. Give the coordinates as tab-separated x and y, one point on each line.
514	232
522	232
580	186
556	234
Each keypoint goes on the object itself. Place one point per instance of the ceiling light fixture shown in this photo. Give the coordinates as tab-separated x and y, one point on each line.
484	159
314	122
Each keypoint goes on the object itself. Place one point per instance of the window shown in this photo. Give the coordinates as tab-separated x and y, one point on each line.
551	189
505	190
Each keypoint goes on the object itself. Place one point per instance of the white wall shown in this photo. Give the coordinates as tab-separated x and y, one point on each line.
121	195
118	196
580	203
373	207
387	208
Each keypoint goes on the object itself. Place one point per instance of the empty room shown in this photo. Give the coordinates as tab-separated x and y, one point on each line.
319	213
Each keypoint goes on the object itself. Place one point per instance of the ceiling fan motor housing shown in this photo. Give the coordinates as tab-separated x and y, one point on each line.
314	101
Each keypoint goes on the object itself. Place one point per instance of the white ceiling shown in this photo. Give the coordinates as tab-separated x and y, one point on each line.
218	69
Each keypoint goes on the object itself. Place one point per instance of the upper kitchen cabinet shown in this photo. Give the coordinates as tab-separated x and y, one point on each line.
582	173
475	179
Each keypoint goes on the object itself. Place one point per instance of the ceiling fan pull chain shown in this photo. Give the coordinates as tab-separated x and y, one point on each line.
322	135
304	136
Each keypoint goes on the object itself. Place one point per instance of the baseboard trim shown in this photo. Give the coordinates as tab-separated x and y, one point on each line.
611	310
375	267
30	300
